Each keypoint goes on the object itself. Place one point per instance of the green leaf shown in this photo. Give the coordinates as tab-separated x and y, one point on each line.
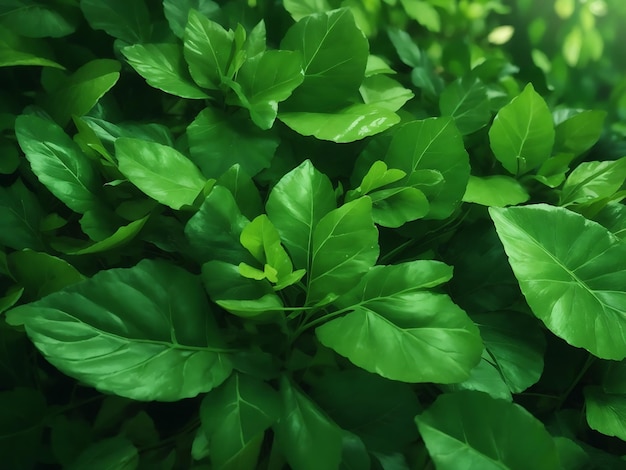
177	12
145	333
344	125
571	272
406	48
80	92
37	20
385	92
20	217
432	144
486	378
495	191
163	67
485	433
116	452
578	133
395	325
593	180
606	412
213	232
298	9
424	13
128	20
217	141
295	206
522	134
613	217
161	172
243	189
58	162
306	437
466	100
207	50
378	176
17	50
332	75
234	418
267	79
345	246
394	207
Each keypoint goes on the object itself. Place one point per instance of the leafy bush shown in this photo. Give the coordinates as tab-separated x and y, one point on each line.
327	234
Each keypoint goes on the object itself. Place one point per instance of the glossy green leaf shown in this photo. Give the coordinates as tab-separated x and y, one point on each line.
378	176
578	133
332	75
161	172
613	217
308	439
58	162
344	125
385	92
145	333
267	79
234	418
482	432
432	144
395	207
571	272
295	206
16	50
177	12
20	217
466	100
217	141
38	20
80	92
243	189
207	49
116	452
345	246
606	411
119	238
128	20
495	191
163	67
398	329
522	134
593	180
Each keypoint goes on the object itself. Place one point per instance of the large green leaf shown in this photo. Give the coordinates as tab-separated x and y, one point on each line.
234	418
17	50
344	125
495	191
593	180
80	92
485	433
295	206
467	102
431	144
606	412
58	162
399	330
38	20
163	67
571	272
20	216
161	172
522	134
332	74
218	140
345	246
145	333
308	439
177	12
128	20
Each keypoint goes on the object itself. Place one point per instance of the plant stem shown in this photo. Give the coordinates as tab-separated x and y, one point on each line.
583	370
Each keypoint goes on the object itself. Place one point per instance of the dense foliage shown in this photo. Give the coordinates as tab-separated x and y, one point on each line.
312	234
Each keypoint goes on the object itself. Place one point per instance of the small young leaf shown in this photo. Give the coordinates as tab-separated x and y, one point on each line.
378	176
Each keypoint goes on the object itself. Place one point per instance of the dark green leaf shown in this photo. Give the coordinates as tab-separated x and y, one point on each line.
16	50
20	216
243	189
486	378
38	20
606	411
177	12
580	132
128	20
467	102
114	453
145	333
407	50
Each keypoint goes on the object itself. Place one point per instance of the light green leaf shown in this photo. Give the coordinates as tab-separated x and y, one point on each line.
144	333
298	9
307	438
385	92
571	272
217	141
20	217
466	100
345	246
177	12
578	133
161	172
485	433
606	412
295	206
378	176
432	144
207	50
593	180
395	207
117	452
234	417
344	125
163	67
424	13
522	133
128	20
82	90
58	162
17	50
495	191
37	20
243	189
332	75
376	65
